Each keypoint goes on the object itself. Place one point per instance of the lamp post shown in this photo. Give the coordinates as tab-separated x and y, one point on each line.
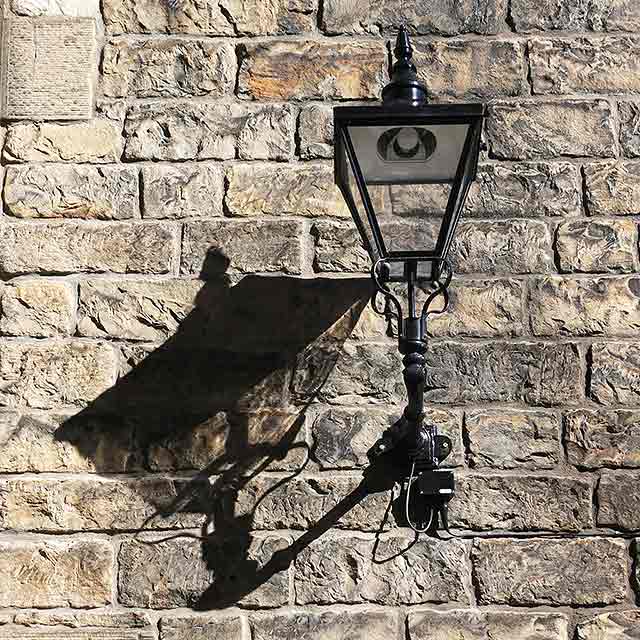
405	141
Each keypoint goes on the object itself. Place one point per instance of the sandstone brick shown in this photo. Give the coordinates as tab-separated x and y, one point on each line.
512	439
342	570
64	191
169	68
46	374
620	625
521	503
55	573
73	8
312	70
135	309
477	625
585	65
614	373
178	572
97	141
536	373
466	68
596	439
618	501
182	191
527	129
90	247
585	572
201	628
315	130
443	18
281	189
629	113
11	632
596	246
612	188
104	619
201	131
37	308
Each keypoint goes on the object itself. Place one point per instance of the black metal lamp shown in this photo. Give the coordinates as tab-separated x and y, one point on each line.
400	144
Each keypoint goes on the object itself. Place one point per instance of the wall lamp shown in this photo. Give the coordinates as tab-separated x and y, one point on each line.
406	143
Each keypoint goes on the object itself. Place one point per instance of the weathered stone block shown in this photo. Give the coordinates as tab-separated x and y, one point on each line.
615	625
596	439
477	625
47	374
62	625
65	191
244	247
471	68
615	373
180	572
442	18
315	130
201	131
596	246
93	248
354	625
342	570
535	373
512	439
586	572
314	70
527	129
97	141
169	68
135	309
612	188
521	503
572	306
338	248
201	628
182	191
305	189
629	113
619	501
37	308
73	8
55	573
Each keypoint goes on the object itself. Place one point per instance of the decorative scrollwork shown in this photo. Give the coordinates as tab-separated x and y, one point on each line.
392	310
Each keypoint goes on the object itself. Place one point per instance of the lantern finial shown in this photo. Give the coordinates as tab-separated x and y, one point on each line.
404	88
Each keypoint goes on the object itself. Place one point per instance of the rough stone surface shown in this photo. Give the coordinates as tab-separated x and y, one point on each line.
283	70
284	190
170	68
618	501
92	248
615	625
612	188
596	439
65	191
485	625
629	113
73	8
512	439
526	130
532	372
37	308
615	375
47	374
61	573
521	503
200	628
338	248
95	141
596	246
342	570
201	131
182	191
585	572
99	619
315	130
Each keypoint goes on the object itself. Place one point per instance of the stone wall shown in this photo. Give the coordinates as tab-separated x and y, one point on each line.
190	376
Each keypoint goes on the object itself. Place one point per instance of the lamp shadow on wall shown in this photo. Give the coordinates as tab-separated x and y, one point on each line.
216	403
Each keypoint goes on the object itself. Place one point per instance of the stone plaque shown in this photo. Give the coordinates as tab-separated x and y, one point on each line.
47	68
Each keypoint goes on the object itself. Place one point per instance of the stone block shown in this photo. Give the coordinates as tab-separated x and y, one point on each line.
315	130
135	309
199	131
615	372
338	248
536	373
73	8
614	625
595	439
586	572
618	501
527	130
629	114
182	191
201	627
97	141
342	570
71	191
38	308
314	70
56	573
596	246
512	439
90	247
612	188
168	68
